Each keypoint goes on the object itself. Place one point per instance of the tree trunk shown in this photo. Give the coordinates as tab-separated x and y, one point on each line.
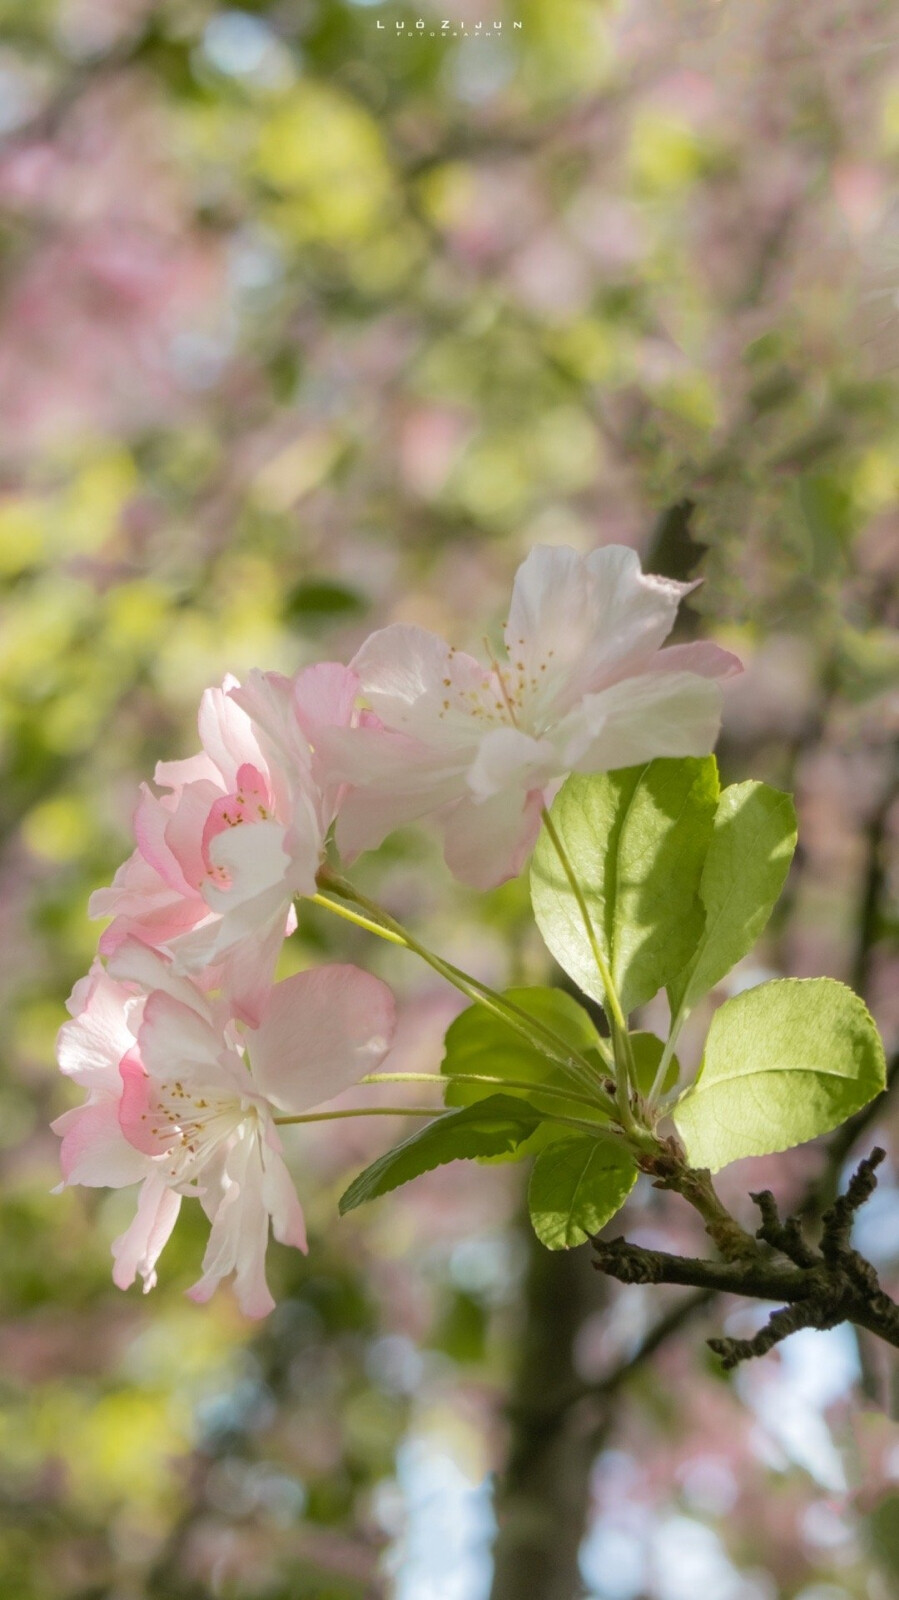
543	1498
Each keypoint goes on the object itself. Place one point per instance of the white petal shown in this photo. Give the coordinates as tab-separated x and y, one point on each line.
509	759
193	769
575	622
280	1200
321	1031
489	841
393	780
238	1237
184	830
176	1043
267	698
138	1249
375	758
365	819
401	664
656	714
239	952
253	857
135	962
417	685
226	733
248	969
90	1047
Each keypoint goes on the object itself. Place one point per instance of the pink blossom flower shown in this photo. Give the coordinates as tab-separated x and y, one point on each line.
106	1016
183	1101
221	856
586	688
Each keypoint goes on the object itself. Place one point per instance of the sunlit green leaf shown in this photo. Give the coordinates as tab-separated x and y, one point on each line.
637	840
783	1062
745	870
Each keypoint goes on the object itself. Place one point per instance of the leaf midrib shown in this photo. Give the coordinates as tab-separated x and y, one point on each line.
758	1072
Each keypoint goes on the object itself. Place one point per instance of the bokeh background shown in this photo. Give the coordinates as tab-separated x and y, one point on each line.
306	325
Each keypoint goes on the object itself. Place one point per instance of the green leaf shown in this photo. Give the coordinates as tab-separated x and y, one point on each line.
647	1050
745	869
576	1186
783	1063
637	840
316	600
486	1129
479	1041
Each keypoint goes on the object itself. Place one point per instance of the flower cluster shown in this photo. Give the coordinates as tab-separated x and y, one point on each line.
189	1051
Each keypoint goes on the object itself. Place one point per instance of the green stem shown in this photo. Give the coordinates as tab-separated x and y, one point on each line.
420	1111
448	1078
363	1111
626	1077
377	921
667	1053
359	921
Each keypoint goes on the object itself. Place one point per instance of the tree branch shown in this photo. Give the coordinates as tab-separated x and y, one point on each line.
820	1287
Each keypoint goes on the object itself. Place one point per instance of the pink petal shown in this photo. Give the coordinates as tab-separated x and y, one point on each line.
138	963
151	819
226	732
157	927
321	1031
324	696
184	832
704	657
488	842
93	1151
140	900
135	1111
250	803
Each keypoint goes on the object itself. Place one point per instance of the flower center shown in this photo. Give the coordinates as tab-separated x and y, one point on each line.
251	802
508	696
189	1124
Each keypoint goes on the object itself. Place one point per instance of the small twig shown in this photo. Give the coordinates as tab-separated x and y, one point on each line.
783	1236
